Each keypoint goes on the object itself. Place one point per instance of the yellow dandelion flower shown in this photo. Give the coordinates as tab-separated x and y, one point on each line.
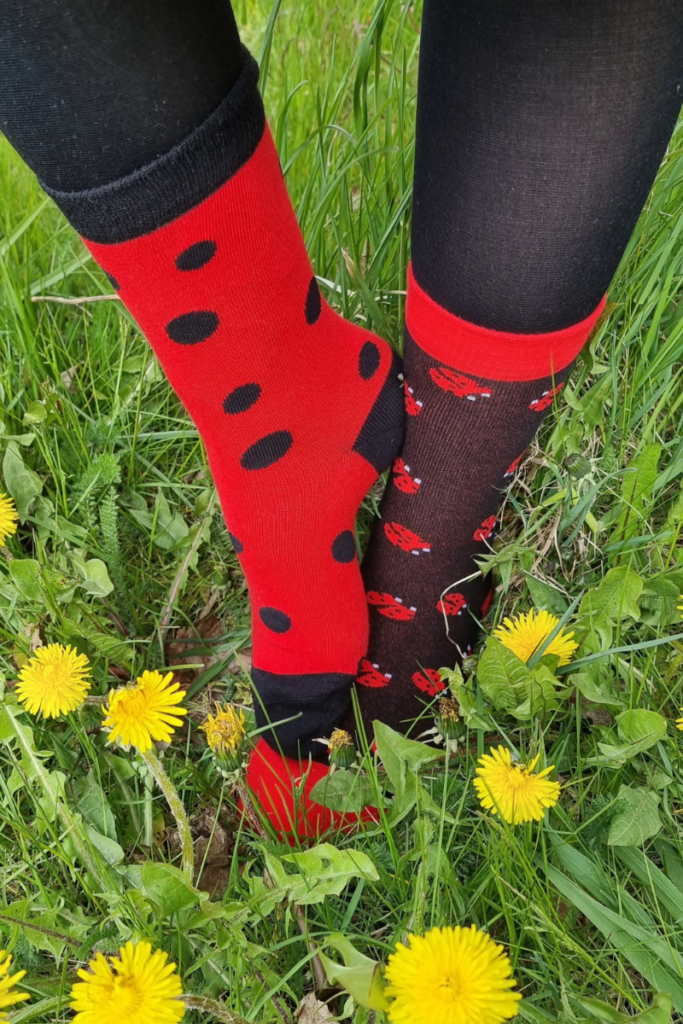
54	682
8	518
514	791
450	976
225	733
679	722
136	987
524	634
680	606
146	711
7	983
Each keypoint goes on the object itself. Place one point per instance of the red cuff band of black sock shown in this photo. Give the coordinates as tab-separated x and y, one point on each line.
494	355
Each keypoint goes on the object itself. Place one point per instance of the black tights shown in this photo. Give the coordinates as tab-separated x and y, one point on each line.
541	124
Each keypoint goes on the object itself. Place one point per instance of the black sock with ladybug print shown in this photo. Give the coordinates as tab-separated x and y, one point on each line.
539	132
474	400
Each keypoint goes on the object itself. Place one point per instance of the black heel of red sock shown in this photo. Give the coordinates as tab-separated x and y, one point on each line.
381	436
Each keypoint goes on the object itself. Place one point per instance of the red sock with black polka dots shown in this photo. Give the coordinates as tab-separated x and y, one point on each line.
475	398
298	409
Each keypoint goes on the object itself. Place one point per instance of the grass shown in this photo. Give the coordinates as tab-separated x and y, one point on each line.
112	474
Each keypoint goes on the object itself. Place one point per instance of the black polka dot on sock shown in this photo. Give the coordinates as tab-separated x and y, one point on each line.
268	450
241	398
368	360
196	256
344	547
313	302
112	281
236	543
191	328
274	619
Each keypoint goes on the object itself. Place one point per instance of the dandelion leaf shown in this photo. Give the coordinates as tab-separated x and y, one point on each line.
637	817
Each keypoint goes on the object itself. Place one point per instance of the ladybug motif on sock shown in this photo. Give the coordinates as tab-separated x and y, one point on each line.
546	399
406	540
486	529
413	406
458	384
452	604
389	606
429	681
513	467
402	478
371	675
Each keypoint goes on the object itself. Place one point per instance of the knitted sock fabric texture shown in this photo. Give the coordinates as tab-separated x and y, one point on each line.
474	400
540	128
299	411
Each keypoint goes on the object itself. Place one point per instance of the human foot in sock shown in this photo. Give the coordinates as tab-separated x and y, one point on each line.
281	787
475	399
298	409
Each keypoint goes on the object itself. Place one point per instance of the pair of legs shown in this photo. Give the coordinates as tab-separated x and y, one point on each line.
540	128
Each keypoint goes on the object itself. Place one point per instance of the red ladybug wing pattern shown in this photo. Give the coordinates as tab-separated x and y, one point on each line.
413	406
452	604
402	478
370	675
546	399
429	681
486	529
514	466
390	607
405	539
457	384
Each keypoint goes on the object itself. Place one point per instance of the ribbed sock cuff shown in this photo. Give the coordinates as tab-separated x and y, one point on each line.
171	185
494	355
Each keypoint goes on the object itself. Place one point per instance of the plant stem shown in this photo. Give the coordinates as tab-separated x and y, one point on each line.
177	810
212	1006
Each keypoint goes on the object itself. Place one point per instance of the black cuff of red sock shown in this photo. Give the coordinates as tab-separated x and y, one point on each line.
302	710
168	187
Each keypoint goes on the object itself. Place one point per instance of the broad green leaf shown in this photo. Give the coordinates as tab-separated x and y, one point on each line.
402	758
26	576
94	806
22	483
659	602
344	791
594	693
658	1013
170	527
36	413
542	691
502	676
360	976
321	871
165	887
636	492
639	730
545	596
640	725
49	800
96	579
465	696
616	597
111	647
108	848
637	817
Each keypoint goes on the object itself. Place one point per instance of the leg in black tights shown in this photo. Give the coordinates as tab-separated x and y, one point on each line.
91	92
540	128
